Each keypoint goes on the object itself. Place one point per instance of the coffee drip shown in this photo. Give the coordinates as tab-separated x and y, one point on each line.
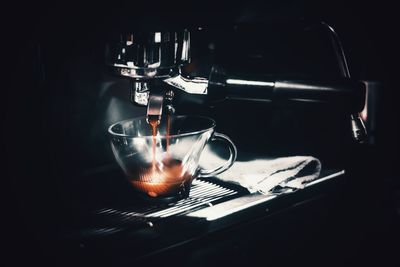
153	122
164	178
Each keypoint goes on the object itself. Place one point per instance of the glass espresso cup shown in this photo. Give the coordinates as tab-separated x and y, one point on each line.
163	165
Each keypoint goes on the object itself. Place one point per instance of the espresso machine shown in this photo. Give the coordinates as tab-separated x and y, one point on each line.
159	75
277	88
155	62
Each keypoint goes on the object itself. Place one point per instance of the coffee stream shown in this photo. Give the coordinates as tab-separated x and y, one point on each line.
154	123
163	179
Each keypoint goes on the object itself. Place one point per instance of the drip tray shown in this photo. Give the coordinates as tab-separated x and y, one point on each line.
133	231
108	221
209	200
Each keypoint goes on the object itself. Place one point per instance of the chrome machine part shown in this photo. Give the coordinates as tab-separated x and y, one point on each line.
358	128
195	85
155	106
148	56
140	92
357	125
169	96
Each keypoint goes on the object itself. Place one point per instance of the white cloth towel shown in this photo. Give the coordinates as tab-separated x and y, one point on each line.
263	175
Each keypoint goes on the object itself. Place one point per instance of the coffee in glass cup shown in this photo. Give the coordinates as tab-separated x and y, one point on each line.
161	161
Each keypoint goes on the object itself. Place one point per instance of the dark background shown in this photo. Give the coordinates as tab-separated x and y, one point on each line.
368	31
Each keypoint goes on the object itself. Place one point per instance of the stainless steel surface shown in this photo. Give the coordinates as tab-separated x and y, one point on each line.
244	202
155	105
144	56
149	55
196	85
140	93
209	200
169	108
253	83
111	220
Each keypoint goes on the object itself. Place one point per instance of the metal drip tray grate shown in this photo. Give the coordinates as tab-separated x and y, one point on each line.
203	194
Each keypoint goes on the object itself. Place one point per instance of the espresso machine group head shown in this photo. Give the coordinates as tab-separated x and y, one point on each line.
153	60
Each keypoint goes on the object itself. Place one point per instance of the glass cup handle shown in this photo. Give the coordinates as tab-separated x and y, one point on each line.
232	157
